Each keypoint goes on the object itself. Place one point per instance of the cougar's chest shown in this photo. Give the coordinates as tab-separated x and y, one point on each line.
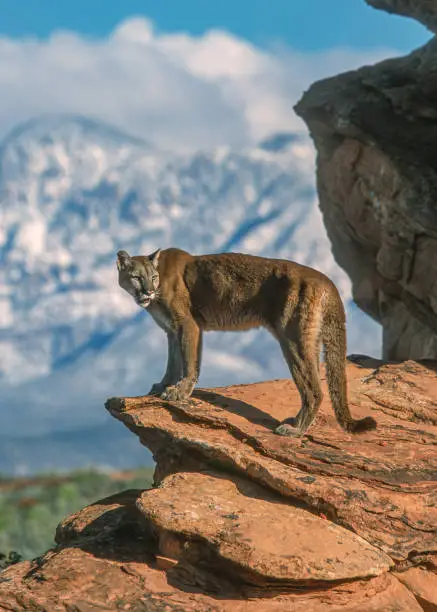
161	316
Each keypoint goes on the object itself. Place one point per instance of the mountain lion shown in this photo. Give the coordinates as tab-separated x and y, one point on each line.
187	295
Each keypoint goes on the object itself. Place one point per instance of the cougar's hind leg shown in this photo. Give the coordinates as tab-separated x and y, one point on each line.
304	370
300	342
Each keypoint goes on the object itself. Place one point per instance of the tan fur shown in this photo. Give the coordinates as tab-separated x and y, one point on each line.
298	305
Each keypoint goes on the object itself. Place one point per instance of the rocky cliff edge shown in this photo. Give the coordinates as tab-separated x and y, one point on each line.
242	519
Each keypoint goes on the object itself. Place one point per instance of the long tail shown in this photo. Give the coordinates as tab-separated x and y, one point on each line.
334	341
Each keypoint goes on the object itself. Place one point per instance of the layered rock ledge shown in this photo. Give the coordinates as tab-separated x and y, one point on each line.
242	519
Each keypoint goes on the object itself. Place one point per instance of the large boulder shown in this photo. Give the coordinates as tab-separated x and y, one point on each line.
375	131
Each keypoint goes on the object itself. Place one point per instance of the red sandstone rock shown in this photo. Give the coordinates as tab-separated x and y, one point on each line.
237	525
381	484
422	581
259	522
107	561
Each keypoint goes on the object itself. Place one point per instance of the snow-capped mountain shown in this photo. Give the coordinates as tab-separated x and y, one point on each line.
72	192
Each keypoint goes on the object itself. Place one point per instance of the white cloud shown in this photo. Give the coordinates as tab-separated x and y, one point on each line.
175	89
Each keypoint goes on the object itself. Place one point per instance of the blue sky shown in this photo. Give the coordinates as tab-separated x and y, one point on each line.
308	25
185	73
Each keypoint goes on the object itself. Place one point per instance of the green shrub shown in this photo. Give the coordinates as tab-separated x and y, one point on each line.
31	509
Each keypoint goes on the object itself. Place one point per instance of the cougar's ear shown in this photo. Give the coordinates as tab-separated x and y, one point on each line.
123	260
154	258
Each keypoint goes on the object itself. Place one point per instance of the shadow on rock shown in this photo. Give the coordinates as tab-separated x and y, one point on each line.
238	407
112	529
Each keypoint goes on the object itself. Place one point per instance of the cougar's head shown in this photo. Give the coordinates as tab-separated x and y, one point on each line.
139	276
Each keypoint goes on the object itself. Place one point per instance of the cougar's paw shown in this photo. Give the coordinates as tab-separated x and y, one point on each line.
175	393
157	389
288	428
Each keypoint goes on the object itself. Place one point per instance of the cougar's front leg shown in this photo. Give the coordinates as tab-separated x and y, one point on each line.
189	338
173	372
